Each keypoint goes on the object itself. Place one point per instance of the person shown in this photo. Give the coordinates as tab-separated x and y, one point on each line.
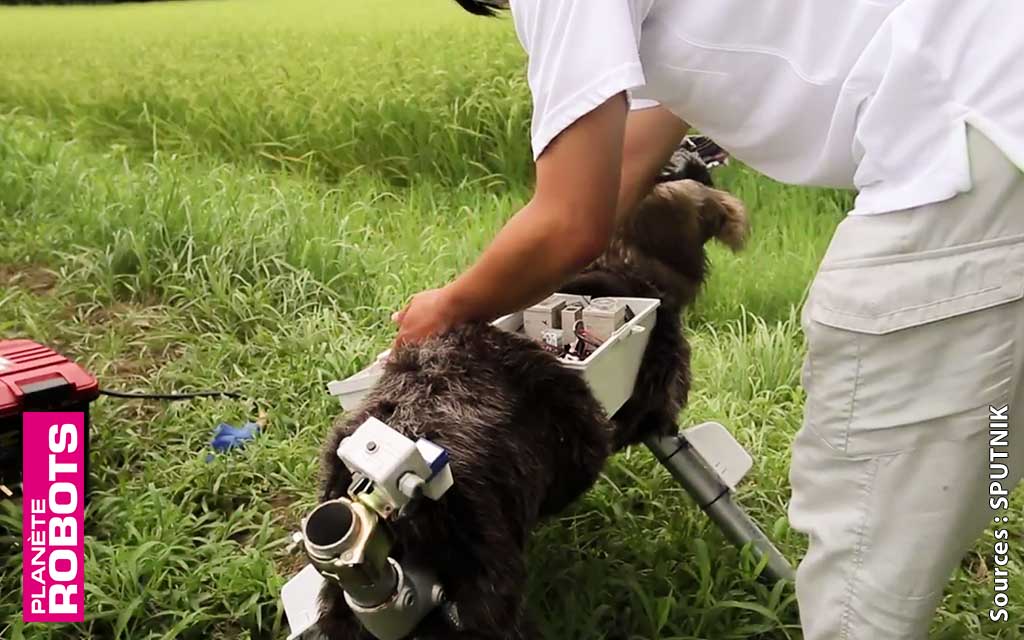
915	319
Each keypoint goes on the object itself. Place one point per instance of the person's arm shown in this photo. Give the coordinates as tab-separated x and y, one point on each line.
599	165
652	136
593	171
584	56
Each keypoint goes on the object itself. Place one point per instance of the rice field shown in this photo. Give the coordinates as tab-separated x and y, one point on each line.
236	195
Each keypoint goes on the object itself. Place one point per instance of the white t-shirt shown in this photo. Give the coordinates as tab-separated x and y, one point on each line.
870	94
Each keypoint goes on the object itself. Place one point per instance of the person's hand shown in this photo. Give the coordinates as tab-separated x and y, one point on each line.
427	314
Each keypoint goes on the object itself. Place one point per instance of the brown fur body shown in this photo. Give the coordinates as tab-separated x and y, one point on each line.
525	435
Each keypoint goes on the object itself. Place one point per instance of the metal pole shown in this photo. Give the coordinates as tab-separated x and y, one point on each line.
715	499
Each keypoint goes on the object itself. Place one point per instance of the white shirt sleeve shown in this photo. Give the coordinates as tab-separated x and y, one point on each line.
581	53
636	104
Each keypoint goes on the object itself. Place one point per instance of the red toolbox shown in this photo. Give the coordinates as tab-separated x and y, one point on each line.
36	378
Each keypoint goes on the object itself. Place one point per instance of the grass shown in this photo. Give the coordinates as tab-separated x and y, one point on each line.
237	195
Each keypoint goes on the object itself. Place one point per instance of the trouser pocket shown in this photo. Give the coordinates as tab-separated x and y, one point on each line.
909	349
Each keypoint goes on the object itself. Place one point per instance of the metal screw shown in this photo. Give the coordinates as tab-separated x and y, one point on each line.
409	599
371	446
345	557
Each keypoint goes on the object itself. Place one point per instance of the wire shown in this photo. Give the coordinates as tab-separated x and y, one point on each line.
177	397
581	332
172	397
260	420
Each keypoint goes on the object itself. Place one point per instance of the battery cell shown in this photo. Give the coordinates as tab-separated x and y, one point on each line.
603	317
543	316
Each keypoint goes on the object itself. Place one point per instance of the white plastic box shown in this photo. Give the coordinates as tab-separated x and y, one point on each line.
610	370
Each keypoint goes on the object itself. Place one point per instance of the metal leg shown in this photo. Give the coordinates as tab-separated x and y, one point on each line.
715	499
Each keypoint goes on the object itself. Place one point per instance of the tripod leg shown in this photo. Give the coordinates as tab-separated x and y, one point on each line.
714	498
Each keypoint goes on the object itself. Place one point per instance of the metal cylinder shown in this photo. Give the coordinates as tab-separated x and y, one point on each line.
714	498
417	594
345	543
329	528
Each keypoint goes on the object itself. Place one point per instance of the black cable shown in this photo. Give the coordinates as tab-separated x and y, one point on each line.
172	397
177	397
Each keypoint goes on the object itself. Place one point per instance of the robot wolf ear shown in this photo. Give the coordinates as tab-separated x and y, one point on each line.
483	7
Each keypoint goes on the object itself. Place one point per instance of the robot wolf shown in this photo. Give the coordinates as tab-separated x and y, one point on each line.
525	435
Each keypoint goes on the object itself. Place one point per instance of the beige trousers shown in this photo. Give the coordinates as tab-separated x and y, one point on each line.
915	327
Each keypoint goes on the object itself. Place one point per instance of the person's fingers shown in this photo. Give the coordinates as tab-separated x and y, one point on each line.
403	333
405	337
398	316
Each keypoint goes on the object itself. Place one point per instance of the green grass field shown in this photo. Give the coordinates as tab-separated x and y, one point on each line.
237	195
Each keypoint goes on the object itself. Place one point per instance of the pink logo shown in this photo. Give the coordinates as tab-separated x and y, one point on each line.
53	584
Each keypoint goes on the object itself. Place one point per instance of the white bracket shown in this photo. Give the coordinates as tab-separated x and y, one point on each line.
716	446
397	466
301	597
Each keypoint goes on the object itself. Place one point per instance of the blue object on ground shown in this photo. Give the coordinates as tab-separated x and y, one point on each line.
228	437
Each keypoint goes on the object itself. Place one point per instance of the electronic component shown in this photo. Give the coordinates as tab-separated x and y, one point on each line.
542	316
571	314
586	337
398	469
603	317
553	338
